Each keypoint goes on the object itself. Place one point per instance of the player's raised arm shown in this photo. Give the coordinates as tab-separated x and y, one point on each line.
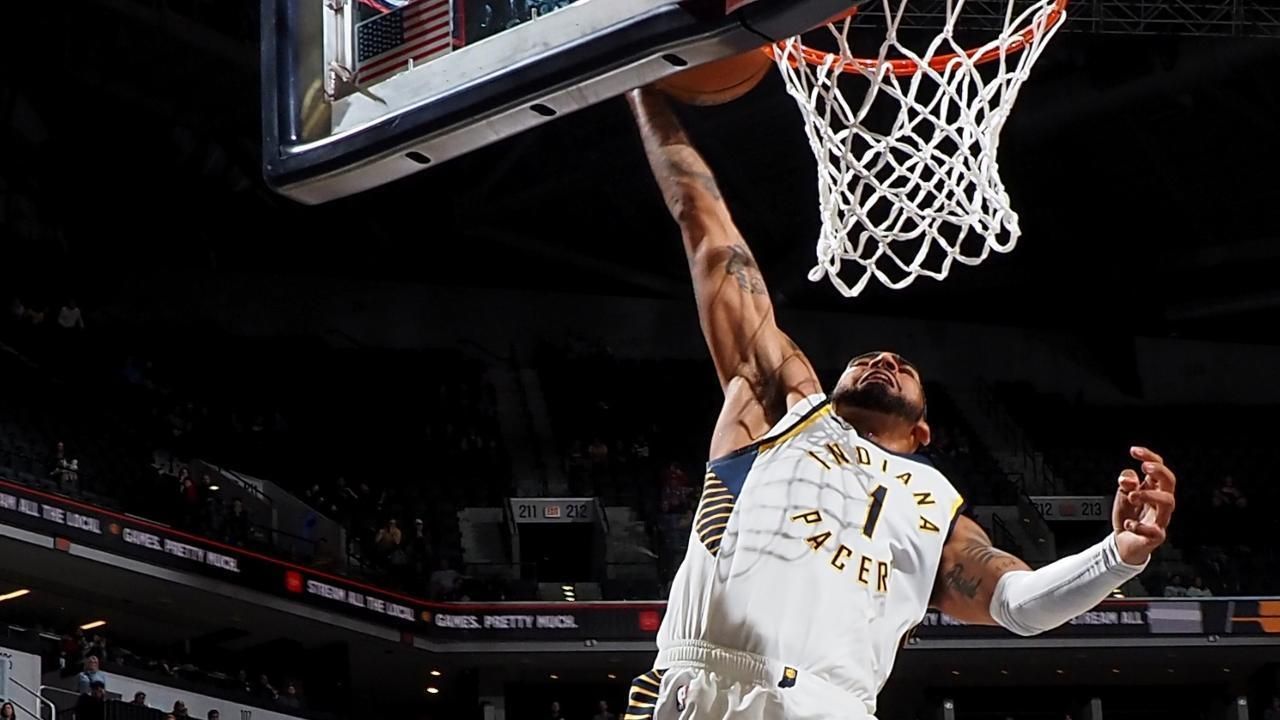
761	371
981	585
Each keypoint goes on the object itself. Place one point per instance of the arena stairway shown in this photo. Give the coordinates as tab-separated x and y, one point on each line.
1006	439
628	552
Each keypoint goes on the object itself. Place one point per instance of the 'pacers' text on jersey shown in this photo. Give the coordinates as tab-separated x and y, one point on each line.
815	548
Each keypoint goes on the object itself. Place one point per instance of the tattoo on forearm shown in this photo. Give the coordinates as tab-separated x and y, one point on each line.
956	580
673	156
743	268
682	168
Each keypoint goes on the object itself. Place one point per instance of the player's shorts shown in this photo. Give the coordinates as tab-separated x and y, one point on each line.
700	681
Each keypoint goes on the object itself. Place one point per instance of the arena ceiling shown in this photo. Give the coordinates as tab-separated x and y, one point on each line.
1142	166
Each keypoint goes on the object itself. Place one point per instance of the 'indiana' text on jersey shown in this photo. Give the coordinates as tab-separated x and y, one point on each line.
815	548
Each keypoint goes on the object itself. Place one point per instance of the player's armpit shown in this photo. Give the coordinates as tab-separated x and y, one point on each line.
968	574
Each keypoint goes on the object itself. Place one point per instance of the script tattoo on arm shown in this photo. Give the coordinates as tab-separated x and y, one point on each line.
743	268
961	583
985	561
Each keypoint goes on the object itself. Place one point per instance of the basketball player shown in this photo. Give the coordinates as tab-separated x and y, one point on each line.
821	539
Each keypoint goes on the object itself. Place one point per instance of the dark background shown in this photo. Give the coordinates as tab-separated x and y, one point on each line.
1141	166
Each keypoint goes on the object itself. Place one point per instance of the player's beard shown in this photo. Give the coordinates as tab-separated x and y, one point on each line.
878	397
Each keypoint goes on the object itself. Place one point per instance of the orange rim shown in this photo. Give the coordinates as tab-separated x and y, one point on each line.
905	66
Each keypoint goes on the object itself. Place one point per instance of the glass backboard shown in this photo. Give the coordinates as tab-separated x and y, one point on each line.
357	93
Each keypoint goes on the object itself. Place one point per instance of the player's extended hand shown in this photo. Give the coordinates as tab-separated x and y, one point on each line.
1143	508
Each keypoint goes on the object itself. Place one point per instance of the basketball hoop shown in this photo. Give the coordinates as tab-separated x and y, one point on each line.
908	180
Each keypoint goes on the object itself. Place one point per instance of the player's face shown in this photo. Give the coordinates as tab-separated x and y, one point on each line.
884	382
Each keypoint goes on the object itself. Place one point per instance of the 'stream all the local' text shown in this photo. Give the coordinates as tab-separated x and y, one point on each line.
357	599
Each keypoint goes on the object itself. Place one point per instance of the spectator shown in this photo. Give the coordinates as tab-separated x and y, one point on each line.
90	675
7	712
179	710
1175	587
602	712
290	698
139	699
74	648
266	690
69	317
65	470
1227	495
1272	712
420	550
189	494
388	539
598	453
35	316
238	523
1198	589
555	711
214	715
99	647
675	488
93	705
17	310
445	581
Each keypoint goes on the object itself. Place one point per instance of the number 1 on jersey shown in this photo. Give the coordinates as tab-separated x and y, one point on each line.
873	510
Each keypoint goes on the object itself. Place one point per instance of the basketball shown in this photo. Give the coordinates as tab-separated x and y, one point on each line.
718	82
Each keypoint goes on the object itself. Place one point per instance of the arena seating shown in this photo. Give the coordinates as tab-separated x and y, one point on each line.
258	677
1218	536
328	432
365	437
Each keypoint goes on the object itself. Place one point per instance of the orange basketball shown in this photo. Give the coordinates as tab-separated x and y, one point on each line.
719	81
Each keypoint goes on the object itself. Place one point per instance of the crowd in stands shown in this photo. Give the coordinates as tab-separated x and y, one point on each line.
87	657
95	668
126	418
1220	542
391	445
620	445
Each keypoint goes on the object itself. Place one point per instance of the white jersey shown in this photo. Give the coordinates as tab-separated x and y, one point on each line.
815	549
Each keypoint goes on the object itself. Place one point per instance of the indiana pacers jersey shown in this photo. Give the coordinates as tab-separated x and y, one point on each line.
813	551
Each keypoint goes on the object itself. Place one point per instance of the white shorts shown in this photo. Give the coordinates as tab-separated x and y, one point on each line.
700	681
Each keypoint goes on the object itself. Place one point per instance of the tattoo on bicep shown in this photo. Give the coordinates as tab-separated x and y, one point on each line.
989	556
956	579
743	268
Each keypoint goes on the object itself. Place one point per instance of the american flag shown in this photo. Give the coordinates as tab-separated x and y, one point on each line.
416	32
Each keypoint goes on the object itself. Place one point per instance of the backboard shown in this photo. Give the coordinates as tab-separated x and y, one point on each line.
357	93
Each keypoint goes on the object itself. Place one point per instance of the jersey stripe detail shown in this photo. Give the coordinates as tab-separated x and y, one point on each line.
643	699
713	513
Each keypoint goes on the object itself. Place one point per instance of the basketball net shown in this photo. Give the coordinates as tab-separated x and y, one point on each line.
908	179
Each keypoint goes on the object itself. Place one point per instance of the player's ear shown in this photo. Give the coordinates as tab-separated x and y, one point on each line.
921	433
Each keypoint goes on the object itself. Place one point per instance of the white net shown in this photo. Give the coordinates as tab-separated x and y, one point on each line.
908	181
